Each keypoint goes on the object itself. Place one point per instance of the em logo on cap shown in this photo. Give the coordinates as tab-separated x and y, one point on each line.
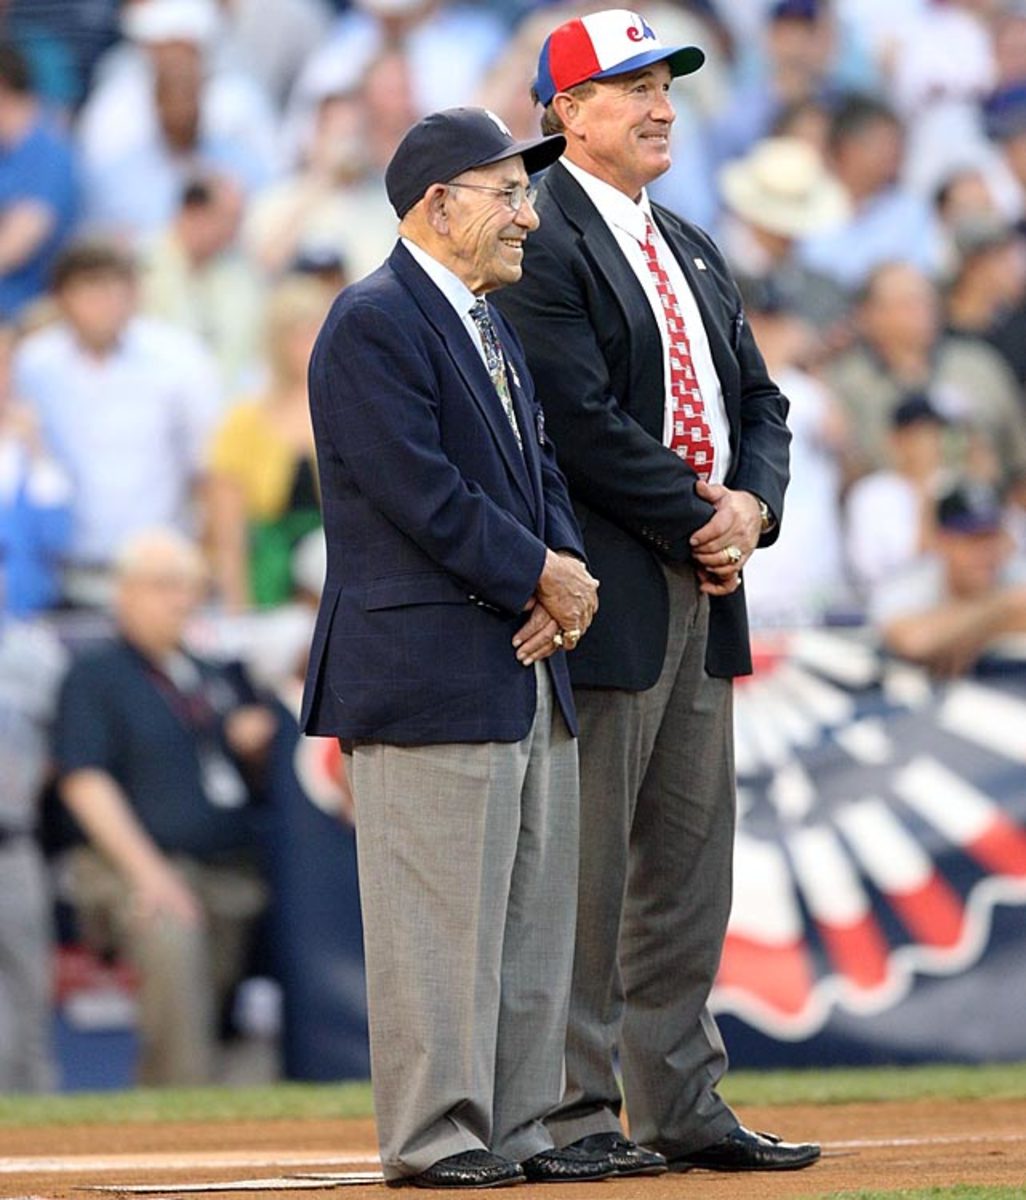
604	44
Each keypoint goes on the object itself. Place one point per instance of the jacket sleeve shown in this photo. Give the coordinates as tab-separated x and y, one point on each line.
376	397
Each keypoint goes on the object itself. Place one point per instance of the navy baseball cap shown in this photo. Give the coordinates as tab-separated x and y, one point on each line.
916	408
447	143
604	44
970	507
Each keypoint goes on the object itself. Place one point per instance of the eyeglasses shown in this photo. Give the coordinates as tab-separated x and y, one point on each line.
515	196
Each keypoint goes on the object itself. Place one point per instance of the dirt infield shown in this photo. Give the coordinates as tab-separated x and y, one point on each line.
892	1145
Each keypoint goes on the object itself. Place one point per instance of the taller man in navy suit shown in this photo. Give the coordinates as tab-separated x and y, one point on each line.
456	578
674	443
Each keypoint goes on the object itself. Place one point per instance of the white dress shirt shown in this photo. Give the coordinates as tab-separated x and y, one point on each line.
130	428
627	223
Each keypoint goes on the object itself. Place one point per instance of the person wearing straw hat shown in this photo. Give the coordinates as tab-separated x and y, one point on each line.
777	194
675	446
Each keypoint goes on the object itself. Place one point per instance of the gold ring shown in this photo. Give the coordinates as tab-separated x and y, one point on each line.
557	638
572	636
733	554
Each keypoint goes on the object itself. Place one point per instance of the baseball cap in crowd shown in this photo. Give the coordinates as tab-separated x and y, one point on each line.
916	408
604	44
447	143
970	507
1004	112
795	10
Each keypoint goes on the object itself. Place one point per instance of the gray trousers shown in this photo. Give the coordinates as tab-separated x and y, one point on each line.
26	969
468	877
185	974
657	832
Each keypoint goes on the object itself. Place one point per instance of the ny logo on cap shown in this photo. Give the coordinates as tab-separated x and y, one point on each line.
498	121
638	35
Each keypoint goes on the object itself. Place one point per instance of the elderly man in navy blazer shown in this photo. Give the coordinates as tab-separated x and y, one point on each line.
675	446
456	583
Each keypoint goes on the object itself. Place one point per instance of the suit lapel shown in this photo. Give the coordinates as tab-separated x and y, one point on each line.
644	398
442	316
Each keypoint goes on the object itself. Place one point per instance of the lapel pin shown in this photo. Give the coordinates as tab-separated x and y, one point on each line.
700	264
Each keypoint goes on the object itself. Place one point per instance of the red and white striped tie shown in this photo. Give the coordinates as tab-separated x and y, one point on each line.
690	435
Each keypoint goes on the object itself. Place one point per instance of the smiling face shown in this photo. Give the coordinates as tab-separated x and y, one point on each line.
619	130
484	236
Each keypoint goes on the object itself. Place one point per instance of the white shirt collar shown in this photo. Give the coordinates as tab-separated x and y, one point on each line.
449	284
615	207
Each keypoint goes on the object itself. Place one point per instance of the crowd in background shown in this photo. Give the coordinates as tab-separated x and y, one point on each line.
186	184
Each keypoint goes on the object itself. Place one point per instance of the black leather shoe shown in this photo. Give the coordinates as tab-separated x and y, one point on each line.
471	1169
625	1157
567	1166
745	1150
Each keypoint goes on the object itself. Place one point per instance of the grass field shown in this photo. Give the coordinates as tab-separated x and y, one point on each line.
879	1126
298	1101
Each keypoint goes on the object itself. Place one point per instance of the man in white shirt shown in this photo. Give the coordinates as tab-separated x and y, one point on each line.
125	402
674	443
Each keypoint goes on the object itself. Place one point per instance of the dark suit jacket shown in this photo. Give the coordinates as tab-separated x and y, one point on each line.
594	350
436	523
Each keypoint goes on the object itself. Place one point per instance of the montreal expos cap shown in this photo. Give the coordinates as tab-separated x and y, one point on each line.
447	143
604	44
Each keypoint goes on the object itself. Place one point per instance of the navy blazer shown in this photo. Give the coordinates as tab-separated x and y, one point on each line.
594	349
436	523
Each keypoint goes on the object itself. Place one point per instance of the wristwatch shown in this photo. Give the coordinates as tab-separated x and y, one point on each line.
767	520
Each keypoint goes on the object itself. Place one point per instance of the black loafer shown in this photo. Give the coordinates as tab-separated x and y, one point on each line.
744	1150
566	1166
471	1169
624	1156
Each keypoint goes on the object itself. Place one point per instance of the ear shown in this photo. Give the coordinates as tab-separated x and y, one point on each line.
435	200
567	108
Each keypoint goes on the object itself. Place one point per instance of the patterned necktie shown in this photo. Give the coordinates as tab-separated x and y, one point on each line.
690	435
495	360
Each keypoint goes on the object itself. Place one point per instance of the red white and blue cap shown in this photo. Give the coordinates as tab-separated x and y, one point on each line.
603	44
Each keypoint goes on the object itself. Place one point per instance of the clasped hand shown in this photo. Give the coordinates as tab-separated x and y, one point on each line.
726	541
560	611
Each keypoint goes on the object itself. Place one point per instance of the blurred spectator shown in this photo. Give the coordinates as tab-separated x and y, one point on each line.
887	222
1005	120
963	194
37	187
946	610
425	33
779	192
335	199
35	503
194	277
126	403
901	348
937	88
62	40
271	42
31	662
801	54
988	281
156	118
262	491
788	584
158	752
890	512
